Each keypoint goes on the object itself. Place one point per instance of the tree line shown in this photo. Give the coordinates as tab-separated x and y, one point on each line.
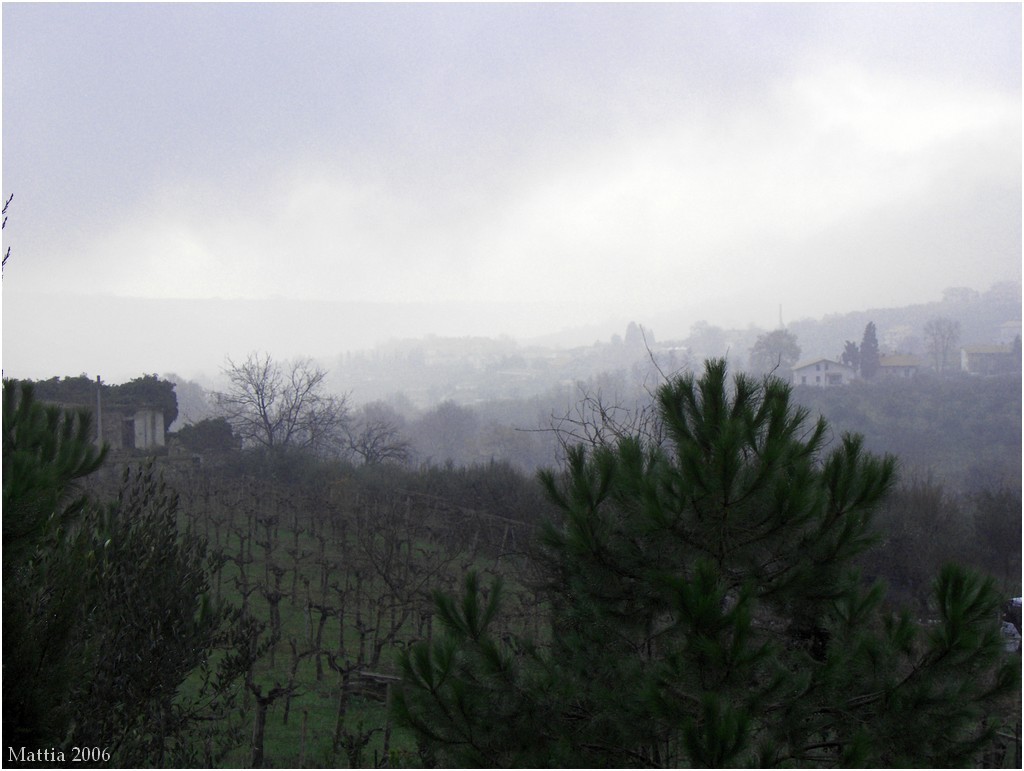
935	425
691	597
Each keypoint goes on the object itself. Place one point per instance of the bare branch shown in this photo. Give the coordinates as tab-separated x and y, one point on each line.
4	225
280	407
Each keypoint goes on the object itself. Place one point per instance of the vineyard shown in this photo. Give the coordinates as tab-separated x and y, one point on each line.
329	577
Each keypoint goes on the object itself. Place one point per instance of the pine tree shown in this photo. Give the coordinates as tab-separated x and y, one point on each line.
704	612
46	451
869	357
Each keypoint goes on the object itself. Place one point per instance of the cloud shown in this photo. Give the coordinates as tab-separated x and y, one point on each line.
710	201
689	160
671	211
631	177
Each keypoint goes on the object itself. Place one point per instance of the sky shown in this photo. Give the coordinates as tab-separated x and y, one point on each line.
196	181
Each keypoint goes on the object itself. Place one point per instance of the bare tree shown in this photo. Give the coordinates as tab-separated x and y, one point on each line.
283	406
941	335
374	435
4	225
599	418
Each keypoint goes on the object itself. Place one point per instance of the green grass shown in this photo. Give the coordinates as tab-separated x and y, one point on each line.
428	551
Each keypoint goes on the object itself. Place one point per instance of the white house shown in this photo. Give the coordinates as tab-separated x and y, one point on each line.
823	373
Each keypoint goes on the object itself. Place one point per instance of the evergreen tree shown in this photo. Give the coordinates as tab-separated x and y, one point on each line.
147	391
635	336
70	390
869	357
211	434
704	612
141	392
851	355
45	452
105	606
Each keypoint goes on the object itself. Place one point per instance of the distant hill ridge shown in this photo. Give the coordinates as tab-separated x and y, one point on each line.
193	337
981	317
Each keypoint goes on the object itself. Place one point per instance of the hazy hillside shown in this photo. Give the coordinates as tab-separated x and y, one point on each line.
900	330
471	370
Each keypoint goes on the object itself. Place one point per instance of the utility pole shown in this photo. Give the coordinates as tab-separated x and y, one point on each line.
99	415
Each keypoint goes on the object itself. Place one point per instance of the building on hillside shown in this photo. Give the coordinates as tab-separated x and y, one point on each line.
140	429
147	426
898	366
127	420
988	359
1008	330
823	373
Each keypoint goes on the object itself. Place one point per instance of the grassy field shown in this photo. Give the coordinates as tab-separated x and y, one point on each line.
341	577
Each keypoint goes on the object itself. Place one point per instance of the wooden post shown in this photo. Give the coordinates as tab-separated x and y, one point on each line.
302	739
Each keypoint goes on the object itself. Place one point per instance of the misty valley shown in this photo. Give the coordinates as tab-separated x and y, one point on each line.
795	547
512	385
